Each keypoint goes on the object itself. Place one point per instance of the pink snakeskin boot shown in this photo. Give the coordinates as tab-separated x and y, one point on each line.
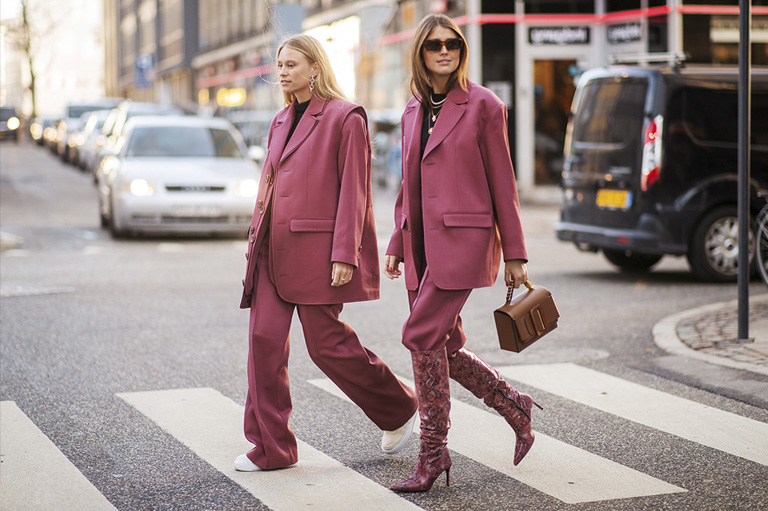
485	382
430	371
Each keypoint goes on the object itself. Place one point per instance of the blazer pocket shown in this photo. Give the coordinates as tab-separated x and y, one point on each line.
404	222
467	220
312	224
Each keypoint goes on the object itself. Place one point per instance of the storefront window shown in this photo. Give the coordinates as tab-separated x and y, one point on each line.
630	5
723	2
560	7
714	39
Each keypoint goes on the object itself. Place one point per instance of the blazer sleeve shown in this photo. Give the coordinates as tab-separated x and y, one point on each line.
354	175
494	148
395	246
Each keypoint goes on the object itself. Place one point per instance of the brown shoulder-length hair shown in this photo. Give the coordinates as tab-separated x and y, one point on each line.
420	84
326	86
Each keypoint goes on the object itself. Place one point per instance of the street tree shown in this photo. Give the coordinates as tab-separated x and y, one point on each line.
27	33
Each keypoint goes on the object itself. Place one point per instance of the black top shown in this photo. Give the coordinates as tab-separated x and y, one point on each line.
299	109
425	124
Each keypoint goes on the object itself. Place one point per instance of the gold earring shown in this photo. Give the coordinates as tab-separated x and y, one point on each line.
311	84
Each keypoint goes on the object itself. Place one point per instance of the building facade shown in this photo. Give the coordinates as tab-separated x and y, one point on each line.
150	45
529	52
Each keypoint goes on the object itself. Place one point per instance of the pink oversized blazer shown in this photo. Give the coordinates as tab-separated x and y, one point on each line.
318	187
462	192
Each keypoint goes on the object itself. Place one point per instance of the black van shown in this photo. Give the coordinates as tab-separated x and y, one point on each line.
650	166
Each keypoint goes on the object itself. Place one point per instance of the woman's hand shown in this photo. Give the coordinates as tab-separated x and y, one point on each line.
341	274
515	272
392	266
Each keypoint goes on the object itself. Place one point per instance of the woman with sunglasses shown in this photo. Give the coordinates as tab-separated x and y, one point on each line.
312	248
456	213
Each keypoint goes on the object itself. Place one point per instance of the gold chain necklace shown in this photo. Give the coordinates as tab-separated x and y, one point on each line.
434	111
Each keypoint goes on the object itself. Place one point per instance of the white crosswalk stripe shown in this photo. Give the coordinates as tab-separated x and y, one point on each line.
724	431
563	471
210	424
35	475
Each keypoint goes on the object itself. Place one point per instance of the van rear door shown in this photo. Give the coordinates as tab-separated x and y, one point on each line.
603	152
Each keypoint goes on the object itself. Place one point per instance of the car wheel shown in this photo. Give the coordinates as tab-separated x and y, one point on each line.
629	261
713	252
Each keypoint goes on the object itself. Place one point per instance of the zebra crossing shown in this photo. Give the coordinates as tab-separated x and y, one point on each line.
210	425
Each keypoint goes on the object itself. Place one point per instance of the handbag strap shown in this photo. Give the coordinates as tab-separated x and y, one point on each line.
511	290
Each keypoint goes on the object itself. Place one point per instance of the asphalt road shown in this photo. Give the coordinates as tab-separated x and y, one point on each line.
129	357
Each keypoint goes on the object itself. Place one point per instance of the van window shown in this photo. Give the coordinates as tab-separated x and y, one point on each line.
711	117
610	110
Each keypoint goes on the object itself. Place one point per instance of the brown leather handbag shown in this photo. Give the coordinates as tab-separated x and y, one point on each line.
526	318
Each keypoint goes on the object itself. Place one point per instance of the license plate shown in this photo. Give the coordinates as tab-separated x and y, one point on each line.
206	211
614	199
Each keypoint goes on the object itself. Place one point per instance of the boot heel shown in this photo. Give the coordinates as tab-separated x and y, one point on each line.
537	404
448	477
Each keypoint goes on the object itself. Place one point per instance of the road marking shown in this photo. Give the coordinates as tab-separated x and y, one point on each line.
677	416
556	468
211	425
36	476
32	290
170	248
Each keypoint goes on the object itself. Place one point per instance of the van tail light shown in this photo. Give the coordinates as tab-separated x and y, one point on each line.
651	169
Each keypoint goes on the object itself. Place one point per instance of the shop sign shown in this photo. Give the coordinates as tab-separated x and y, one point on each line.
561	36
625	33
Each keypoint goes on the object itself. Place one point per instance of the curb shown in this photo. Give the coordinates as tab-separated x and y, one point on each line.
665	337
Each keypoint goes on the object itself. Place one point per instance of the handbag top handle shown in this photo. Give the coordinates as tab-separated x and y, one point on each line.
511	289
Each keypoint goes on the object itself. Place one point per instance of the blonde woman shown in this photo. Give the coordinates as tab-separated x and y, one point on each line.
456	213
312	247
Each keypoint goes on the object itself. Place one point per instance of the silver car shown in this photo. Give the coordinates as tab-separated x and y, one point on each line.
177	175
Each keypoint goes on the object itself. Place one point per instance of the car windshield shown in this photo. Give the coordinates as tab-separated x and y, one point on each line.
182	142
610	110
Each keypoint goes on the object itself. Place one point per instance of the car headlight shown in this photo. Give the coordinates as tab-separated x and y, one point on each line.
13	123
141	188
247	188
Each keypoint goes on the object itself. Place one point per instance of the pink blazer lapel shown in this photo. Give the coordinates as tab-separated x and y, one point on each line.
307	123
453	110
414	118
280	135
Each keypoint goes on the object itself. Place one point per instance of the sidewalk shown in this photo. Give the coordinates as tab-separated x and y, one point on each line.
710	333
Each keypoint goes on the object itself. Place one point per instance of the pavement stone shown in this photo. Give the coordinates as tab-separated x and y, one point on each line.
710	333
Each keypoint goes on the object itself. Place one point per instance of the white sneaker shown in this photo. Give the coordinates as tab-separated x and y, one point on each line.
243	464
392	442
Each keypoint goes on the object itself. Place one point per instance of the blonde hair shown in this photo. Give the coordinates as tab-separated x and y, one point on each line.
326	86
420	84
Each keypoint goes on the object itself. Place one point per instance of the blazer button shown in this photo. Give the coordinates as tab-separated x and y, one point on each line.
253	238
246	256
250	230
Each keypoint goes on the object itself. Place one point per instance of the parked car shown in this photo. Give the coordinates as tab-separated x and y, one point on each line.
115	124
9	123
37	128
651	166
90	133
72	122
178	174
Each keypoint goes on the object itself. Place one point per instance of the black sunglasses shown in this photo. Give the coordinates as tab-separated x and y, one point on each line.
435	45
